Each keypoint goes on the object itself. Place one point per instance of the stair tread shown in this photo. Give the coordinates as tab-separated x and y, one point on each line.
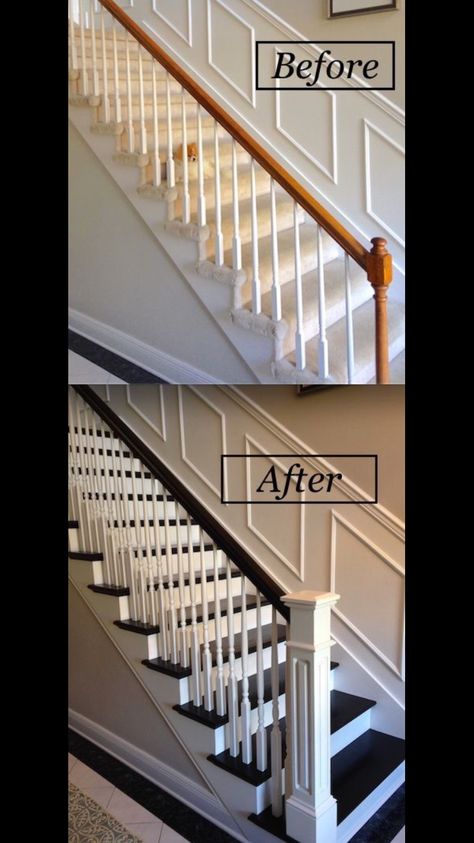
364	339
355	772
344	708
147	629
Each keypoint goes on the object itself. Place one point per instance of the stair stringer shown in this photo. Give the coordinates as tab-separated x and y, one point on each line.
234	798
256	350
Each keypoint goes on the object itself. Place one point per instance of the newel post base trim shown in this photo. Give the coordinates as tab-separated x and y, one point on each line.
311	810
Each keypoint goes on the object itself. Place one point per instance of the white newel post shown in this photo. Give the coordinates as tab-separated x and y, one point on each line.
311	811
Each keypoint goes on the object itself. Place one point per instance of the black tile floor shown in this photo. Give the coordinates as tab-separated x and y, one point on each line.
381	828
113	363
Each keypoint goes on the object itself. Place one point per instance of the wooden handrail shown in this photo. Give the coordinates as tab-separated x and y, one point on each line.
330	224
181	493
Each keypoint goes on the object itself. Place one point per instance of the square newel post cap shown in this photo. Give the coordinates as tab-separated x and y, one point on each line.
310	599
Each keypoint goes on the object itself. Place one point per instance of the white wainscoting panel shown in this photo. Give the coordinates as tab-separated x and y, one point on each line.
372	589
231	48
199	417
177	15
139	394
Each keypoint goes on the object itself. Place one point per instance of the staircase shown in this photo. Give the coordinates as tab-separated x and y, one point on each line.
206	630
297	280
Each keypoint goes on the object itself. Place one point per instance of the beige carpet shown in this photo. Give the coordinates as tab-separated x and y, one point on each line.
89	823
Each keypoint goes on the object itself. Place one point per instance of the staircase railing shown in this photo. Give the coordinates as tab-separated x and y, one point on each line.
154	545
100	79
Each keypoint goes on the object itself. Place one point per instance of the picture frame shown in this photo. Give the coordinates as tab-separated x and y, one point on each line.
347	8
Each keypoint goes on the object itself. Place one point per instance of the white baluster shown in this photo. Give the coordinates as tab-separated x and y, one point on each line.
170	174
299	335
219	259
220	684
184	137
85	517
256	293
105	71
183	635
91	484
130	127
131	572
95	75
232	686
349	321
149	555
236	242
141	94
173	621
72	38
156	135
276	291
201	194
323	363
276	732
206	653
100	465
163	639
195	645
122	516
82	41
245	702
261	731
117	99
140	563
75	492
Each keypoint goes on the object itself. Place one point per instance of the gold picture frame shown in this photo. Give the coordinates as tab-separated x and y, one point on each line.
360	7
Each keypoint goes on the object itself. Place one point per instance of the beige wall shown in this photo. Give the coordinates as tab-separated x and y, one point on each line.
355	419
120	274
310	18
103	688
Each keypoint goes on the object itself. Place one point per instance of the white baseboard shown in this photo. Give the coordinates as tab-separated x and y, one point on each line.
157	362
179	786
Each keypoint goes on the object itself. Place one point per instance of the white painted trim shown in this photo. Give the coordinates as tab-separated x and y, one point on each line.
249	98
188	39
292	34
151	359
363	667
331	175
161	433
182	436
173	782
398	669
368	127
377	511
249	440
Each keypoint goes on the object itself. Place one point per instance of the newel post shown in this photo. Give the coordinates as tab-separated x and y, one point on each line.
311	811
379	273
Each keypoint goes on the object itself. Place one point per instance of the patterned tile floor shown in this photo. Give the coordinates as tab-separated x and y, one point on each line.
134	817
115	786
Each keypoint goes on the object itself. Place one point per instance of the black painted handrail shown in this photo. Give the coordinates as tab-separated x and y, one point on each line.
224	541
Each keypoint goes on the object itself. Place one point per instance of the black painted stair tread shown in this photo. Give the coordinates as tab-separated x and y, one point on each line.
174	549
222	575
344	709
167	668
100	451
172	522
149	629
85	556
72	525
111	590
355	773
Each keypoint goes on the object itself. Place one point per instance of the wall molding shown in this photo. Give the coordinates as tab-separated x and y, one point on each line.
380	513
182	436
332	173
299	572
336	518
157	362
161	433
248	97
188	38
368	128
292	34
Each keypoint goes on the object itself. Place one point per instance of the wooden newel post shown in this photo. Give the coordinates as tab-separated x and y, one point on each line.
311	811
379	273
